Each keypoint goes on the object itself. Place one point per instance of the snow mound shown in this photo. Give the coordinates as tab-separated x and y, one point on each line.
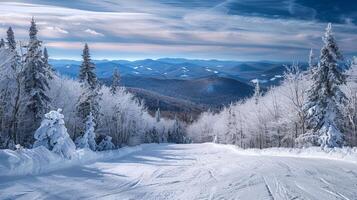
346	154
41	160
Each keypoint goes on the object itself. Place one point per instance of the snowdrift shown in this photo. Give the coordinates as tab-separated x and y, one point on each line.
346	154
41	160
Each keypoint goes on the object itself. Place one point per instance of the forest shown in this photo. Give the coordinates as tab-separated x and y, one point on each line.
39	107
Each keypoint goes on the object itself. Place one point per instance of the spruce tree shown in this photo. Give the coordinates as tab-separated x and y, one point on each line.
325	98
11	43
158	115
35	82
116	81
89	99
87	69
257	93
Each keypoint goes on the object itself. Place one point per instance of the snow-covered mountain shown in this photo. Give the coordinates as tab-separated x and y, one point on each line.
178	68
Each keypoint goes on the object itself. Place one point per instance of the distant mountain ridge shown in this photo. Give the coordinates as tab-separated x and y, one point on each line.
178	68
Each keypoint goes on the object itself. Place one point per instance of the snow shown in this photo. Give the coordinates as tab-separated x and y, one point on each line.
40	160
258	80
53	135
191	171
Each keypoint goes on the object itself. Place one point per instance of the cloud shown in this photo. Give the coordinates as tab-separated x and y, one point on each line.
93	32
210	29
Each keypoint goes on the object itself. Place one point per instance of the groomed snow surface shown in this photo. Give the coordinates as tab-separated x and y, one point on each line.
180	171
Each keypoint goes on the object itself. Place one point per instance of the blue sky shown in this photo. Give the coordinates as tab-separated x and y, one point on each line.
205	29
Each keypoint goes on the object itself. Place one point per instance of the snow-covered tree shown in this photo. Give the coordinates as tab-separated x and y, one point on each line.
35	81
11	43
87	69
257	92
87	140
158	115
116	81
106	144
53	135
89	100
325	98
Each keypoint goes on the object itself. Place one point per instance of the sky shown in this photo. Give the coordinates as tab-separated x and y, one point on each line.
281	30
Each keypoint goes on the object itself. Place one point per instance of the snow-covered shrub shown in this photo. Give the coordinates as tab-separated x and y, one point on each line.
87	140
106	144
53	135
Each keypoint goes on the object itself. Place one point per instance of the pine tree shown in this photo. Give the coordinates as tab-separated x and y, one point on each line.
87	70
89	99
87	140
106	144
11	43
35	81
311	59
158	115
176	135
325	98
116	81
53	135
257	93
2	43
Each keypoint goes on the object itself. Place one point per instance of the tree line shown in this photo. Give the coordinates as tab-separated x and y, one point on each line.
317	107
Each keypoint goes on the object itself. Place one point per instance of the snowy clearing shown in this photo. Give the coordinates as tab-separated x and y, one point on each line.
197	171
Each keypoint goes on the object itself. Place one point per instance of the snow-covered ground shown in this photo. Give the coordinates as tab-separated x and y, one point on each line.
196	171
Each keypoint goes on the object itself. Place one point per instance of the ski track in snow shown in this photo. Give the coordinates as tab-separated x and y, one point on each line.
192	171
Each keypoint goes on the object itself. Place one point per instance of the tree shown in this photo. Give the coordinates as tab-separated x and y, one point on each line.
11	43
35	82
325	99
2	43
176	135
53	135
87	69
106	144
87	140
257	92
116	81
89	99
158	115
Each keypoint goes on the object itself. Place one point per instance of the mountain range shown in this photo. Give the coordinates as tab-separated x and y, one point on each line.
184	85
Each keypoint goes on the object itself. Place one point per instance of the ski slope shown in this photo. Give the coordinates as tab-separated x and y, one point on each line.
192	171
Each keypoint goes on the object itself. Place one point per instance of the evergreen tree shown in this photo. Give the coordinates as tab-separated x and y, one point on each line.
116	81
158	115
53	135
87	70
11	43
257	93
2	43
106	144
311	59
325	98
176	135
89	99
87	140
35	81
